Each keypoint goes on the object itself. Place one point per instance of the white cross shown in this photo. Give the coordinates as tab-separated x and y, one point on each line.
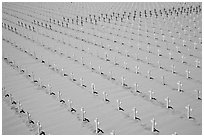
198	93
136	87
179	85
96	124
167	102
187	73
153	124
149	74
162	77
92	87
150	94
173	68
170	55
159	64
182	58
119	104
197	63
188	111
135	113
122	80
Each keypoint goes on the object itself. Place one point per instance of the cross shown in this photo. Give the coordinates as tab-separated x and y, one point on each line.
149	74
150	94
92	87
59	95
96	124
122	80
119	104
198	93
70	103
179	85
100	69
159	64
153	124
187	73
167	102
147	60
182	58
188	111
170	56
197	63
115	61
82	81
105	96
173	68
125	64
83	113
135	113
136	87
162	77
136	55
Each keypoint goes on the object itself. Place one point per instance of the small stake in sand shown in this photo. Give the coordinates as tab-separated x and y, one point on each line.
115	61
175	133
82	61
83	115
111	75
137	56
59	97
147	59
93	88
163	80
170	56
159	64
98	130
126	53
135	114
179	86
125	65
112	132
187	73
182	59
72	76
40	132
177	49
148	48
151	95
167	102
188	111
137	69
100	70
198	94
29	120
62	72
149	74
197	61
119	105
123	81
159	53
173	68
136	87
70	106
82	82
96	125
106	57
153	125
91	66
105	97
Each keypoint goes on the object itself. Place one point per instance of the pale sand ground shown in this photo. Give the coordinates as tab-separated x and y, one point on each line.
56	119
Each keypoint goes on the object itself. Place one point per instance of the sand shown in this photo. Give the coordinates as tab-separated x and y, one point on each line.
55	117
